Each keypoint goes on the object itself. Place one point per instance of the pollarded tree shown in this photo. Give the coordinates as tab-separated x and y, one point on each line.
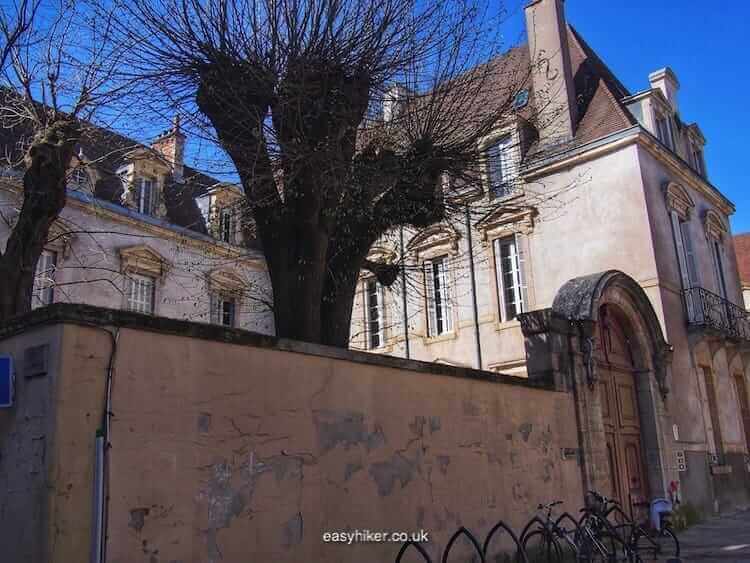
331	155
57	64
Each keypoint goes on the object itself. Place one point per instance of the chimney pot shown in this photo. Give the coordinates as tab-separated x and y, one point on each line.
171	146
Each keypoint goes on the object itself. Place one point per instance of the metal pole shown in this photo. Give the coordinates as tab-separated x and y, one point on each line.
477	337
403	295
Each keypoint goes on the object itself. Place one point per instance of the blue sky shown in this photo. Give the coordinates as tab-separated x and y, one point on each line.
705	43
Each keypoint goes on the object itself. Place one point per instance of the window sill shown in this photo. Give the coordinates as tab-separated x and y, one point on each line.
515	194
428	340
501	326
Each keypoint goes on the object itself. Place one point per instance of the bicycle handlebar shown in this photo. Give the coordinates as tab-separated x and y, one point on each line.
549	504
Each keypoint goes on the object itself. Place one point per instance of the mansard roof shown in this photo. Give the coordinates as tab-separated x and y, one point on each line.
109	151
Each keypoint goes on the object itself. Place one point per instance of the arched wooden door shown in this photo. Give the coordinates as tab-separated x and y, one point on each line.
622	426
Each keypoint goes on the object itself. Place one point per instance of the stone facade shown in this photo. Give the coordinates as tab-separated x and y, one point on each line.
632	195
200	266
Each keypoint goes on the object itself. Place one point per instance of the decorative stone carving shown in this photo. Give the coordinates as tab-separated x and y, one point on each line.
679	199
226	282
141	259
434	241
505	221
714	225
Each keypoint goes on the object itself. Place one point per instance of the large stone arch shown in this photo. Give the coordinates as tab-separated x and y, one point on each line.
584	301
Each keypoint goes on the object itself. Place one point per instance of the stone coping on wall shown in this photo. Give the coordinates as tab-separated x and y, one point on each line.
87	315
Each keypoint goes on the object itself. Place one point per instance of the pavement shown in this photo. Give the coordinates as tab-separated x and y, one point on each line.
723	539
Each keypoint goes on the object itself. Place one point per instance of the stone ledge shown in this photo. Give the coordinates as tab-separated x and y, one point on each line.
87	315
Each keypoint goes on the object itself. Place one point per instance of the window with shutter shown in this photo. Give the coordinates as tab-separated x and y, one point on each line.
374	313
438	296
718	263
500	169
146	195
509	264
681	235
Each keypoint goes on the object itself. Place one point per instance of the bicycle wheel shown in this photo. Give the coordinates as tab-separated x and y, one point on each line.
662	545
599	541
542	547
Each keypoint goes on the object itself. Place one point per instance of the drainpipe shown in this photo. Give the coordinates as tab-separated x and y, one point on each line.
477	338
577	401
101	463
403	296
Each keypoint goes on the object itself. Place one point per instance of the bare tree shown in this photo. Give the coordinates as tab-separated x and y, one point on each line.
57	72
344	119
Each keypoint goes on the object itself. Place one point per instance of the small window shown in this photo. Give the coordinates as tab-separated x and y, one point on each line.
664	131
140	293
44	279
146	196
78	179
511	288
500	169
439	307
374	313
698	162
223	310
226	225
716	254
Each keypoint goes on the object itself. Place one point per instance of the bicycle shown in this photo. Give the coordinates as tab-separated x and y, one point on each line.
599	540
542	545
659	542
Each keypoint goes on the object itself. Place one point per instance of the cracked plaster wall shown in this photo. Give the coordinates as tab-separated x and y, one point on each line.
228	453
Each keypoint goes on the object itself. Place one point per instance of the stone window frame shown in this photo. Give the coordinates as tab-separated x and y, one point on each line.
381	253
365	280
227	284
434	242
504	222
717	232
513	132
680	210
142	260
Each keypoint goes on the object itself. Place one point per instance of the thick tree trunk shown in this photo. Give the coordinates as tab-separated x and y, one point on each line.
44	184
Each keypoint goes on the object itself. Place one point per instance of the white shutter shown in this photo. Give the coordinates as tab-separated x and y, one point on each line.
684	275
381	313
499	279
430	297
521	279
718	268
687	244
446	297
677	233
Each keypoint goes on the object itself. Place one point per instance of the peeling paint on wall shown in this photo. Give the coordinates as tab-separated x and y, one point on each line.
346	428
386	473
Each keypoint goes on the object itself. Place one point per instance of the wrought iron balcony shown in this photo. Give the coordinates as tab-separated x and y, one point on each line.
708	310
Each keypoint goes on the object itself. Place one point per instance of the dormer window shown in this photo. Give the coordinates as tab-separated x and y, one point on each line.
145	196
500	169
664	130
78	179
698	162
226	225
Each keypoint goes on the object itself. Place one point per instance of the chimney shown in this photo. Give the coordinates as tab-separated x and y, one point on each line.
392	101
666	81
171	146
552	75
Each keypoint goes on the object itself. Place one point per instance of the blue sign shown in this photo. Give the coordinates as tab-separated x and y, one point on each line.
6	381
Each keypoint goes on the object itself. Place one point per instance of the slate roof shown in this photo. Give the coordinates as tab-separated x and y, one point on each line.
107	151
